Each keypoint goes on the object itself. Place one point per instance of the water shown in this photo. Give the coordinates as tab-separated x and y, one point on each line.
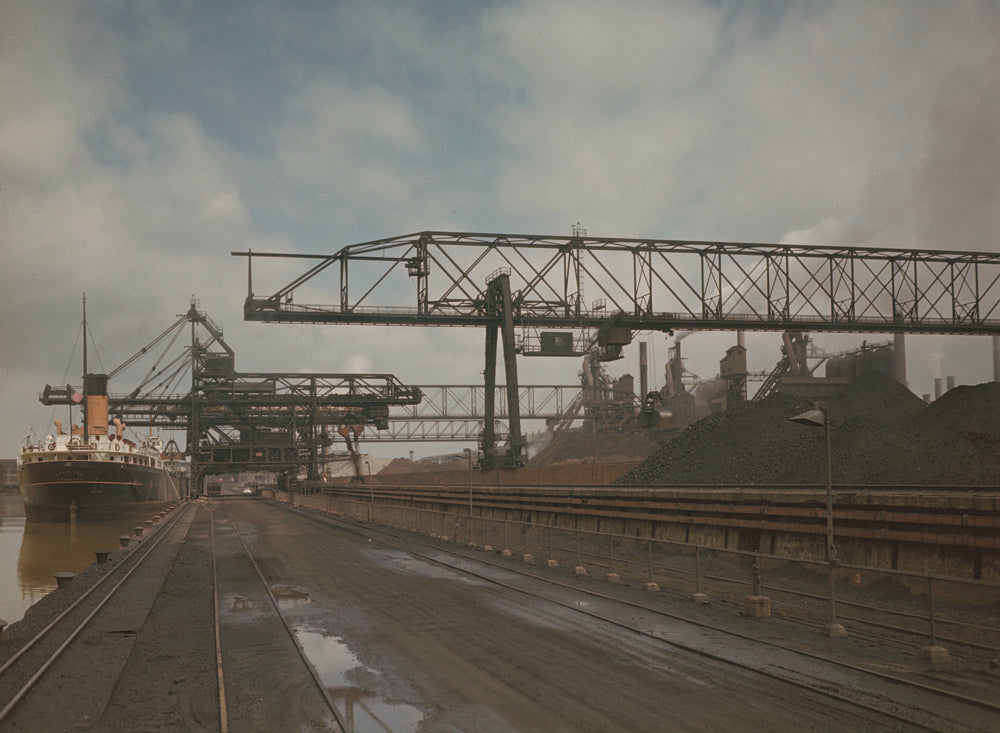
31	553
361	709
347	680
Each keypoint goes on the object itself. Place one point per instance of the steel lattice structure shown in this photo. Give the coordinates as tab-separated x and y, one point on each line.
239	420
638	284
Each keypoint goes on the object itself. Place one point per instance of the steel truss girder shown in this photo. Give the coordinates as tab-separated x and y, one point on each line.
652	284
467	402
430	431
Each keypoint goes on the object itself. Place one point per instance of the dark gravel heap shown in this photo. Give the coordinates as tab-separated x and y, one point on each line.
881	434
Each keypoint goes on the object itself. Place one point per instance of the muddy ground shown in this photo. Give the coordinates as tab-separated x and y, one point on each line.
407	645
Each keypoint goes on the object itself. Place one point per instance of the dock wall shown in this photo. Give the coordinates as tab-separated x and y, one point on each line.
950	533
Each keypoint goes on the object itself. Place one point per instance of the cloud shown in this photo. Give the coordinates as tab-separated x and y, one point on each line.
139	145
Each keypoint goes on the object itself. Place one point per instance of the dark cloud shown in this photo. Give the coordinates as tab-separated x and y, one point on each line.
139	144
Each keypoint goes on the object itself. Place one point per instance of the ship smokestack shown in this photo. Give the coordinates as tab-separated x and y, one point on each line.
97	404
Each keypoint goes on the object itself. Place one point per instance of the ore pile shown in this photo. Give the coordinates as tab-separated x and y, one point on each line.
606	446
881	434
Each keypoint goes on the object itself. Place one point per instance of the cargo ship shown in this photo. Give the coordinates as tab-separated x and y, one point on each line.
94	472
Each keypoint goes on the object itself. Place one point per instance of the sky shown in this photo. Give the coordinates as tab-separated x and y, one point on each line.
141	143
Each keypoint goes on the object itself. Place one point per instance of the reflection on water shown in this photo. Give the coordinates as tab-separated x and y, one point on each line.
289	596
31	553
362	711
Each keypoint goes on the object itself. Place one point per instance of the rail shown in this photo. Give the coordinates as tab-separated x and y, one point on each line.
931	608
137	555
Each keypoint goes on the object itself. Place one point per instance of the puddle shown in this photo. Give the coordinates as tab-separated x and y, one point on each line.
289	596
239	603
361	710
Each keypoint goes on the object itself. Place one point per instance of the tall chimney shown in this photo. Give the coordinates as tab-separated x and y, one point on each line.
950	384
937	388
899	358
643	385
996	358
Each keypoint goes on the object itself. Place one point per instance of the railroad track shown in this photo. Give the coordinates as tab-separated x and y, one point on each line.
916	705
802	603
26	667
170	581
318	682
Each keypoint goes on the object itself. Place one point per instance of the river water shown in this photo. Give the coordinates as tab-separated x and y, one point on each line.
31	553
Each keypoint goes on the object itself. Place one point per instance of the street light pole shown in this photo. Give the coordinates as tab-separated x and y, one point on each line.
371	490
468	454
820	417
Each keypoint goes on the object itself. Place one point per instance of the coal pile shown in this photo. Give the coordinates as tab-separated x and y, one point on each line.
881	434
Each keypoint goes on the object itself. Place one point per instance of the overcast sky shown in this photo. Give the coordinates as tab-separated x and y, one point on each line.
140	143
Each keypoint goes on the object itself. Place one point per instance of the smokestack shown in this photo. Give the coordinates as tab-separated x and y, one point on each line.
643	386
739	339
926	398
996	358
951	384
899	358
937	388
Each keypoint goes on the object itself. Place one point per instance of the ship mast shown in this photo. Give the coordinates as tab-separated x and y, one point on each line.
86	433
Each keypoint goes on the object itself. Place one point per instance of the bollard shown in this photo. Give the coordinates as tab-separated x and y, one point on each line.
123	540
64	578
102	556
756	605
138	530
698	597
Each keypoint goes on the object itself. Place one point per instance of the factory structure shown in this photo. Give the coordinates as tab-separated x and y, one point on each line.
802	369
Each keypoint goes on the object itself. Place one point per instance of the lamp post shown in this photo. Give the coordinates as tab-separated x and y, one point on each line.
820	417
468	455
371	490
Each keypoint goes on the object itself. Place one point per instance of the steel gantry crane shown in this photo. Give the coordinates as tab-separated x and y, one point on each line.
530	282
272	421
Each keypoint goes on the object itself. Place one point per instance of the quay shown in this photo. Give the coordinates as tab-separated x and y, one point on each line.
254	614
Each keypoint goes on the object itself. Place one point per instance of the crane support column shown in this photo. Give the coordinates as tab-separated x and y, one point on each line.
498	305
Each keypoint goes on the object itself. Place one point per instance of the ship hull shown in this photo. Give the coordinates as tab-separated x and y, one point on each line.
63	490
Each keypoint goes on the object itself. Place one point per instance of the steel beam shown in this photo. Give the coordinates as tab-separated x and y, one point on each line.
644	284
